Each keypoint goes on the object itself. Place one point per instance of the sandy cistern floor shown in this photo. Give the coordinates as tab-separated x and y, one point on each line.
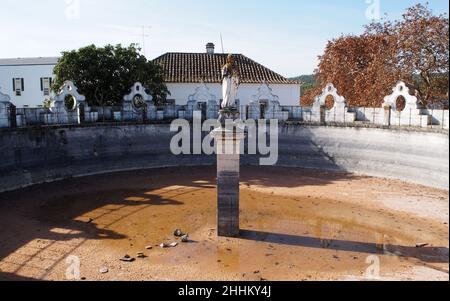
296	225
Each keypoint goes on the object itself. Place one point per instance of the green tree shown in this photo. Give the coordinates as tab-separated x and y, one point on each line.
104	75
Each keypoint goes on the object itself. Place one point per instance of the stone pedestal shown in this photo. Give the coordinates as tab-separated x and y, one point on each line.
228	172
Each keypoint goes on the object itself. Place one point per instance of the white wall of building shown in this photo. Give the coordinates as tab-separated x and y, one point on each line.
289	94
32	96
32	74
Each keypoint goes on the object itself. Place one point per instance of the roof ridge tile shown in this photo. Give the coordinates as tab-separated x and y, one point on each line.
184	67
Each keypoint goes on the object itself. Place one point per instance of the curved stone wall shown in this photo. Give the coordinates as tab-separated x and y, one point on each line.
413	156
36	155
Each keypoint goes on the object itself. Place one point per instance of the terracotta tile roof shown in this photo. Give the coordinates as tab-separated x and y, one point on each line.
196	67
29	61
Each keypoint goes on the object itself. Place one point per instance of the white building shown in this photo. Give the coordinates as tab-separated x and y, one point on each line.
27	80
183	73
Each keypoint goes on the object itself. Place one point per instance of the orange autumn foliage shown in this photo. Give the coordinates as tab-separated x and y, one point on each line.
365	68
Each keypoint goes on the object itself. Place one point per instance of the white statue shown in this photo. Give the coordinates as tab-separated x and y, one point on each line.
230	83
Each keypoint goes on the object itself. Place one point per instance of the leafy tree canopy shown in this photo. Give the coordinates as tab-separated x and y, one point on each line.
104	75
365	67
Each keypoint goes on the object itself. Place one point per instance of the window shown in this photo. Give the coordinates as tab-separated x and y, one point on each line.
18	86
46	84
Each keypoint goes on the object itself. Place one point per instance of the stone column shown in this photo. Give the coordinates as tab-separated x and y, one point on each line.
228	173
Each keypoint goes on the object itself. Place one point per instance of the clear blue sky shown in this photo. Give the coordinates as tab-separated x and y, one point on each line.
285	35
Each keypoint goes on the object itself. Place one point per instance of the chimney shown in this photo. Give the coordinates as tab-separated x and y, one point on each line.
210	48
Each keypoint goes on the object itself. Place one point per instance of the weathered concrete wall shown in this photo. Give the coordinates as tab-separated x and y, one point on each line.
413	156
36	155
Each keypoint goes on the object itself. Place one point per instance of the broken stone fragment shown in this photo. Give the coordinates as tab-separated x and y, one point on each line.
148	247
171	245
103	270
178	233
185	238
140	255
127	258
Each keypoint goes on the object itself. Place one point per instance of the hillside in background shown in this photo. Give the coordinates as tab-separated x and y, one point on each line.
309	81
309	84
307	78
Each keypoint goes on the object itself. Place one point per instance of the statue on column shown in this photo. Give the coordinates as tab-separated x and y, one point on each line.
230	85
228	139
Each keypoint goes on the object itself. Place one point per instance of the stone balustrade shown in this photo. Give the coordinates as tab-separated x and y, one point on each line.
69	107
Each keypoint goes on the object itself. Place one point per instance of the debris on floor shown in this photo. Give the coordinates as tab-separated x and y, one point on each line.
141	255
103	270
185	238
171	245
178	233
127	258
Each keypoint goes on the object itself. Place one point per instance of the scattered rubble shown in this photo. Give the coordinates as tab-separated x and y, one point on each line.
178	233
141	255
127	258
171	245
185	238
103	270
